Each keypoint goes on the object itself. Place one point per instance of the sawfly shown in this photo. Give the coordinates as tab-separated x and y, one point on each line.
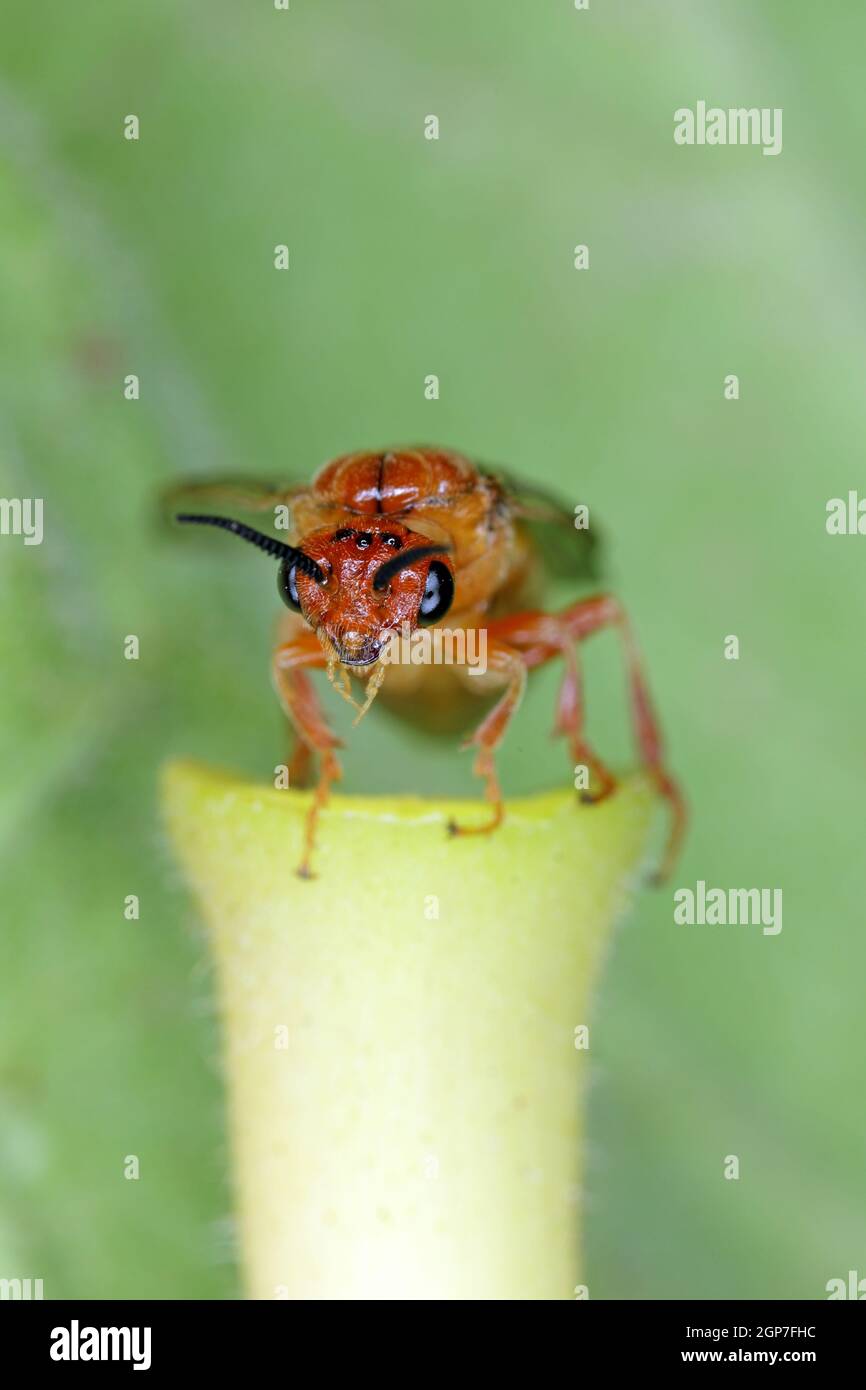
391	543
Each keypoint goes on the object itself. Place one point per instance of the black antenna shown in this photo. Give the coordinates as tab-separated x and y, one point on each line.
269	544
404	561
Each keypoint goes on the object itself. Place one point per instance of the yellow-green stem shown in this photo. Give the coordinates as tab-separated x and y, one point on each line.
399	1033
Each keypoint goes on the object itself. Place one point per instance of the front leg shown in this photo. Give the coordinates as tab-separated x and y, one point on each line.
298	699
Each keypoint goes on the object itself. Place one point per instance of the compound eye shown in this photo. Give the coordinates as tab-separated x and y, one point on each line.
438	593
287	585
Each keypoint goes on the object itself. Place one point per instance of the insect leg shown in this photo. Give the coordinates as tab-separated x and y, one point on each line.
541	635
569	724
506	665
299	701
593	615
300	762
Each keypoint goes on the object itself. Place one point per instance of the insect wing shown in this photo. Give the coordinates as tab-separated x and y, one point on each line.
567	542
230	494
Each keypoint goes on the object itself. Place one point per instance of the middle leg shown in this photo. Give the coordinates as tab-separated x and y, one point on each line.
504	665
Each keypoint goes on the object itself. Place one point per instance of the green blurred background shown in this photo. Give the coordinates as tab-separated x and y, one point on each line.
410	257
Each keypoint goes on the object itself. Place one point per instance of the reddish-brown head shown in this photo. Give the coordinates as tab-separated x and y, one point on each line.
376	578
357	584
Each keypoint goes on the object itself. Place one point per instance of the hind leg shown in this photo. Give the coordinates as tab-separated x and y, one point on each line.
300	763
542	636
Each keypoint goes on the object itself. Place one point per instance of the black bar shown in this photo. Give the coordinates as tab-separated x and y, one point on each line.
278	1338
